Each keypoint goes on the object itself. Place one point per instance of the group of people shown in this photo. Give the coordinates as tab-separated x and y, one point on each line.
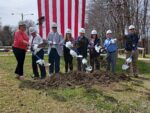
57	47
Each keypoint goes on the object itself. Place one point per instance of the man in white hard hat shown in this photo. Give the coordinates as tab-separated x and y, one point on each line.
35	39
82	45
55	50
131	45
111	48
94	40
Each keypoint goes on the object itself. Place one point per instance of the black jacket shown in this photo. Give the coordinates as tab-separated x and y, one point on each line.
131	42
67	50
82	45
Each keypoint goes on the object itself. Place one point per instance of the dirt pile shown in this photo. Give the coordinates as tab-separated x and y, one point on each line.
77	78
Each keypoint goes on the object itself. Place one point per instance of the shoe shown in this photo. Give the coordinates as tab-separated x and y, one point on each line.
136	75
21	77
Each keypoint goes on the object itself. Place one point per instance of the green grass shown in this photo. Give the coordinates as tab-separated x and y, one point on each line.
122	97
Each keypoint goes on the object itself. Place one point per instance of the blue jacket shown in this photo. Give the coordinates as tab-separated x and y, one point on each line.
131	42
109	46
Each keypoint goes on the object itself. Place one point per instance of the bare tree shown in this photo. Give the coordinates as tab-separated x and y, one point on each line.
118	15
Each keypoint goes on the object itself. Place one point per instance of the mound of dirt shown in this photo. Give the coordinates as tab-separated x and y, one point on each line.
77	78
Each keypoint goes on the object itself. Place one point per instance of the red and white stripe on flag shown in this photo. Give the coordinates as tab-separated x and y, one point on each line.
66	13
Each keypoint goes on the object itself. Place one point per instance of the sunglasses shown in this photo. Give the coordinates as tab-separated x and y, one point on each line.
132	29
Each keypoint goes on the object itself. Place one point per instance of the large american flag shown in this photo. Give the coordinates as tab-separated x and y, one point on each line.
66	13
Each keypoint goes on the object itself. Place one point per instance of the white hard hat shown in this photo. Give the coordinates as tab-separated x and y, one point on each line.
22	23
54	24
82	30
108	32
68	31
131	27
94	32
32	29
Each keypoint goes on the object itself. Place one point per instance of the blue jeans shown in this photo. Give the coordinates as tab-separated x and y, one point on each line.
111	61
54	60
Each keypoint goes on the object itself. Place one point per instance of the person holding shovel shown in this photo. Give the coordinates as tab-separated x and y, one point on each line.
21	42
82	46
111	47
35	41
55	50
67	56
94	40
131	45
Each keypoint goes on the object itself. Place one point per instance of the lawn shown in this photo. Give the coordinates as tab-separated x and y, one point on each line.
123	97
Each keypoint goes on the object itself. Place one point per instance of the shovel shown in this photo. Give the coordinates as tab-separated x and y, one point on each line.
126	65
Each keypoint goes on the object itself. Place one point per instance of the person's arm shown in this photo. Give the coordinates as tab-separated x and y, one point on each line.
40	39
19	37
61	40
41	42
49	39
104	44
25	42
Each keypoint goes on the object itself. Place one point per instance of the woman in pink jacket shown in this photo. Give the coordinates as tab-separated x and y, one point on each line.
21	42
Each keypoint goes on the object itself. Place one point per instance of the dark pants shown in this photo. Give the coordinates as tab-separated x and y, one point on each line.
40	54
20	57
68	62
54	60
94	62
111	61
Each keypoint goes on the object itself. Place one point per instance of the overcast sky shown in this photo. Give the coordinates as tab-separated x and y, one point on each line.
7	7
17	7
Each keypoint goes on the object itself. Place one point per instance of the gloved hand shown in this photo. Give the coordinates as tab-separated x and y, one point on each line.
69	45
40	62
54	43
50	43
97	48
35	46
113	41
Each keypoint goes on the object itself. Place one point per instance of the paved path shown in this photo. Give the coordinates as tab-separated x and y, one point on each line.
143	59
